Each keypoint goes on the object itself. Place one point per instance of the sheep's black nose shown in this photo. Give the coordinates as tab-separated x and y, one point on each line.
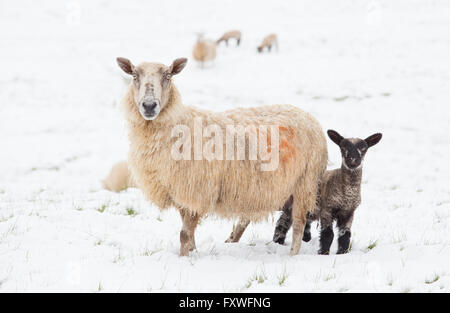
149	106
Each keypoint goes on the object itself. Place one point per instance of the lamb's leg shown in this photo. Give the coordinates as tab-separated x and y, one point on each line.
307	231
269	47
344	224
226	42
187	240
326	231
284	222
238	230
238	41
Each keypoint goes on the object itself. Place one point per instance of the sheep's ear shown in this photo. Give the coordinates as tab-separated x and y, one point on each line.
334	136
177	66
125	65
373	140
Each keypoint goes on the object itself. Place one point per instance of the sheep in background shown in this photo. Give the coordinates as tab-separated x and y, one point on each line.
227	188
268	42
119	178
204	50
340	195
236	34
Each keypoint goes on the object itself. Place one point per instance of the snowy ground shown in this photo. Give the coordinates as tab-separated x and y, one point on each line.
359	66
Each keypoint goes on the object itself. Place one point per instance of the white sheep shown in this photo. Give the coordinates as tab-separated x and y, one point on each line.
119	178
204	50
227	188
236	34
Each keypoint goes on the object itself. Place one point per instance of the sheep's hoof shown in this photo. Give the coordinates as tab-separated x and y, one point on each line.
231	239
324	252
185	249
192	247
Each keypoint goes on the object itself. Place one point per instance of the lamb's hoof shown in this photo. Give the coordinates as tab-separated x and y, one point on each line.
306	237
229	240
324	252
279	240
342	251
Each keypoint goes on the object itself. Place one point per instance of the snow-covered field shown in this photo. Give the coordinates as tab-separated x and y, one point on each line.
359	66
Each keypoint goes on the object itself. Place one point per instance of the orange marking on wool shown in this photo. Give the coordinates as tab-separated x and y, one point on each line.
269	143
287	150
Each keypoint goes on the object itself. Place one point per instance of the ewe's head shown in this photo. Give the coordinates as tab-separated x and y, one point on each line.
353	150
151	84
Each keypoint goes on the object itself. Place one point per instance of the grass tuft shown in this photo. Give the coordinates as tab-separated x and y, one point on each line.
372	245
103	208
432	280
329	277
257	277
131	212
282	277
339	99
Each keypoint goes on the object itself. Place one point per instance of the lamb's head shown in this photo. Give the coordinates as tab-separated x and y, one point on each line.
353	150
151	84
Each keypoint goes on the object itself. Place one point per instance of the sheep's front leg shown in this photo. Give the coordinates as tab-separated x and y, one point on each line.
238	230
344	224
187	240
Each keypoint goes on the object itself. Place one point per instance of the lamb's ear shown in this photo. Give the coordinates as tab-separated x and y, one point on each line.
334	136
177	66
125	65
373	140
